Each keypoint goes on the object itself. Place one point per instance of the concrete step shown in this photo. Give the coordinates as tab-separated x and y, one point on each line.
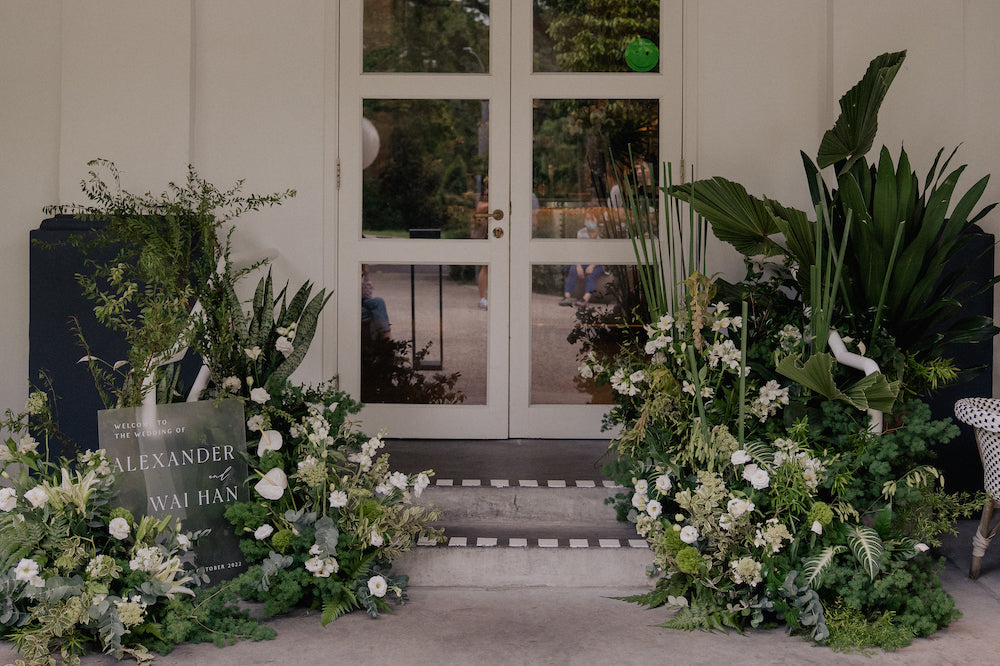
520	513
571	504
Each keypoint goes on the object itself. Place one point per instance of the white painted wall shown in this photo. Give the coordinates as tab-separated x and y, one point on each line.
247	90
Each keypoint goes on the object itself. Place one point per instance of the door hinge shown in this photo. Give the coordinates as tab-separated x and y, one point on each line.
338	173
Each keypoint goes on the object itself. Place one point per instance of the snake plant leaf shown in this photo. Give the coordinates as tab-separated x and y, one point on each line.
304	333
813	567
854	131
737	217
867	547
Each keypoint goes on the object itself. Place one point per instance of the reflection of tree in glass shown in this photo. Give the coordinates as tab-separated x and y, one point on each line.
387	376
591	35
424	176
574	139
426	36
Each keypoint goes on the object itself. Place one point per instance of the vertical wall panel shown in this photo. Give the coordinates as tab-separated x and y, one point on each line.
29	144
259	115
761	97
126	90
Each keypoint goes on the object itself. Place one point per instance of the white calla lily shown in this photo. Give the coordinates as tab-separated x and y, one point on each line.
272	485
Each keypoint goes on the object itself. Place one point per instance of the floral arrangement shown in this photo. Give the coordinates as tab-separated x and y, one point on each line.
328	515
76	571
753	515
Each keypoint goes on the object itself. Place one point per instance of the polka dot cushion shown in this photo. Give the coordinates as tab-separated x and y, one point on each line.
983	414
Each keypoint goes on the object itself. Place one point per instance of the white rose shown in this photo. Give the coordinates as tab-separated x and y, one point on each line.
338	499
118	528
270	440
738	507
663	484
376	539
285	346
654	509
689	534
740	457
272	485
37	496
642	486
232	384
259	395
263	532
757	477
377	586
8	499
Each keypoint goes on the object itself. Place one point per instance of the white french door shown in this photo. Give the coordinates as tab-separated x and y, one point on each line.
477	166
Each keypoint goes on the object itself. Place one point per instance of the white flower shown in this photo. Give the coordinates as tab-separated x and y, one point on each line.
314	565
259	395
26	569
232	384
183	542
687	387
255	423
37	496
757	477
817	527
738	506
921	547
338	499
364	461
740	457
689	534
377	586
28	444
272	485
726	522
270	440
285	346
586	371
421	483
654	509
663	484
8	499
639	501
118	528
252	354
376	538
398	479
641	486
330	566
263	532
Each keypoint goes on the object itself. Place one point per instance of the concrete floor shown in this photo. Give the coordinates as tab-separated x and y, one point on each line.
583	625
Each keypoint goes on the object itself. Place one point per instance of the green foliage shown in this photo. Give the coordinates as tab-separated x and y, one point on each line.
851	630
909	588
165	252
896	275
591	35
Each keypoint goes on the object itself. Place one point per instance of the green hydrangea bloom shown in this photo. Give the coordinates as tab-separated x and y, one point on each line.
672	539
121	512
282	540
689	560
820	511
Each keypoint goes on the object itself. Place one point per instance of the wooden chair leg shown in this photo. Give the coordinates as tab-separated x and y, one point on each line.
981	539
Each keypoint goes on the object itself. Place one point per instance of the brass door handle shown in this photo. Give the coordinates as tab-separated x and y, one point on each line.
496	215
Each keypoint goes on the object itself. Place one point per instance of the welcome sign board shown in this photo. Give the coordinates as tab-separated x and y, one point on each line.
186	460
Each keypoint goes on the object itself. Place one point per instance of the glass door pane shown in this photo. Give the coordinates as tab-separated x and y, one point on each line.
443	36
596	35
